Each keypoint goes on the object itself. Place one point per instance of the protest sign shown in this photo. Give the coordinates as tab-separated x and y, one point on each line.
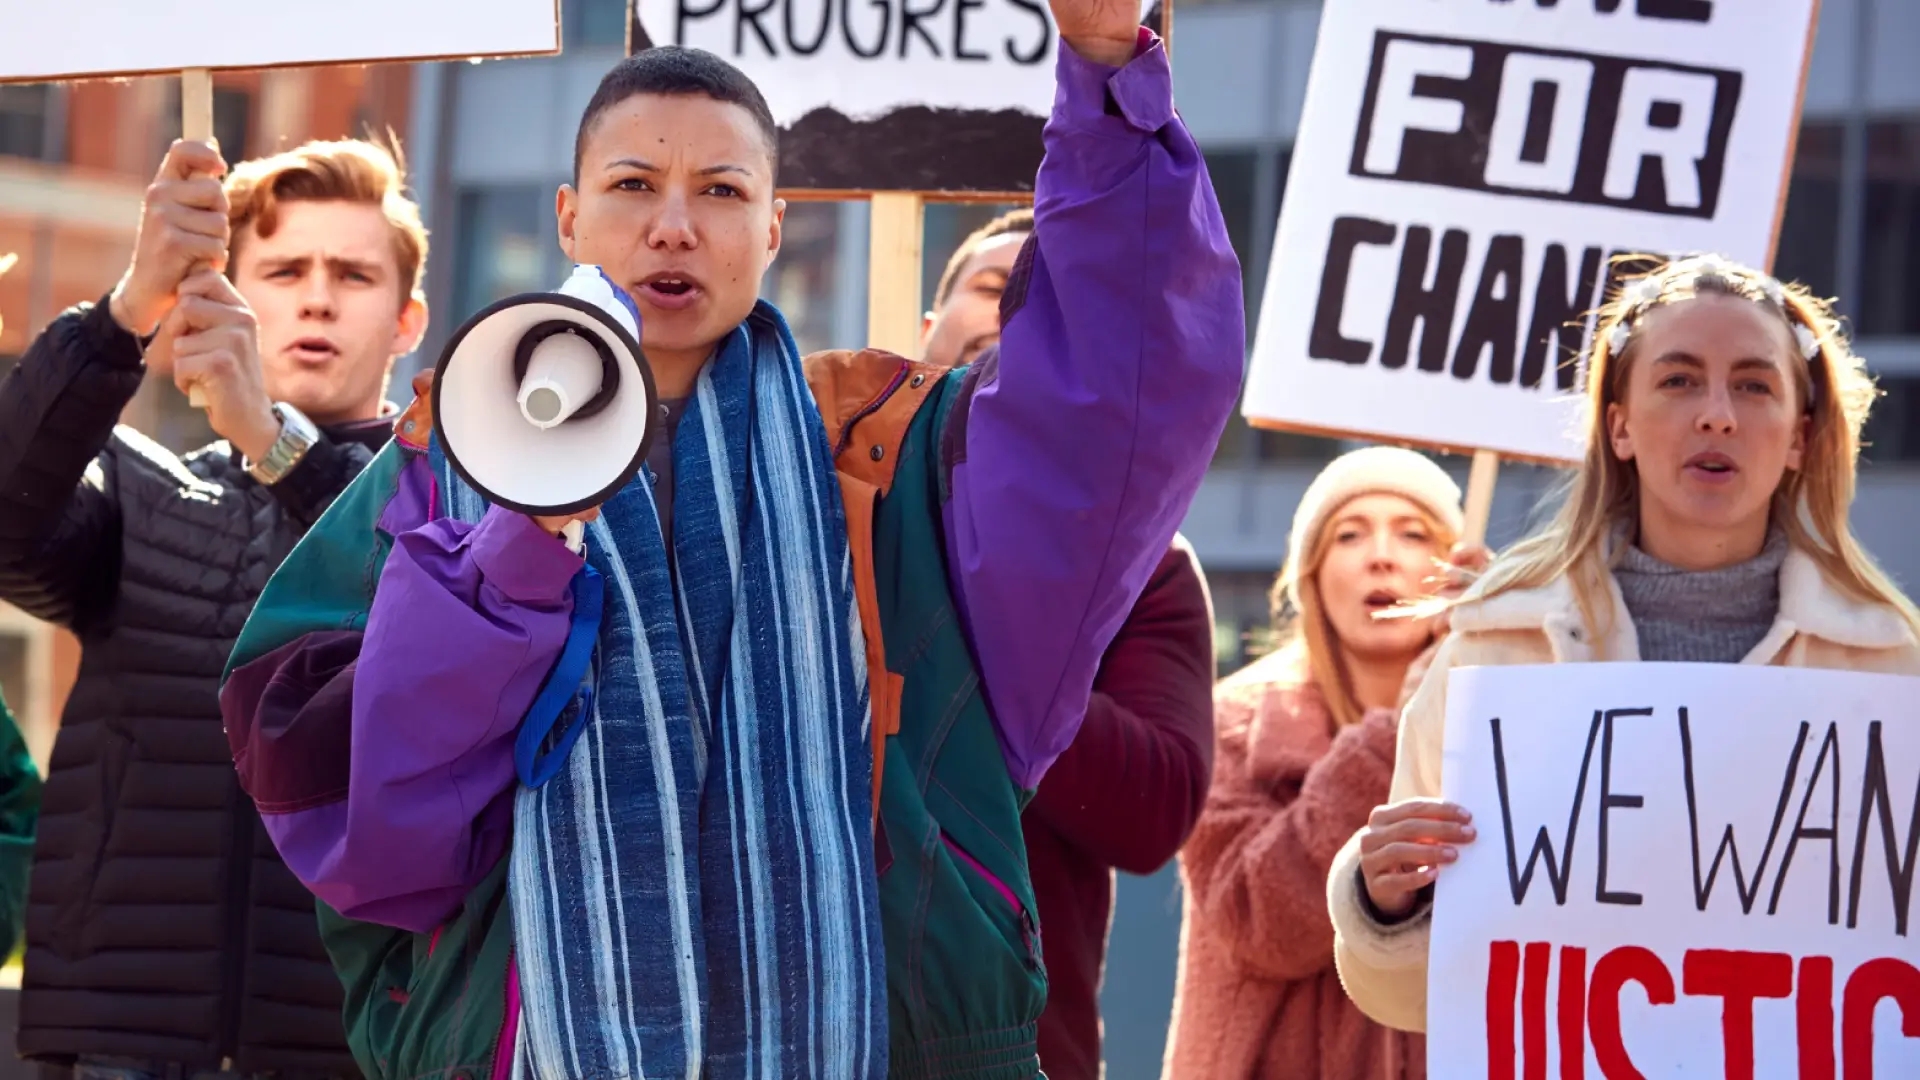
939	103
82	39
76	39
938	97
1681	870
1464	171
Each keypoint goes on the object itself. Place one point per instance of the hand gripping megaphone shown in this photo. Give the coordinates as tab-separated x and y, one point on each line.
543	402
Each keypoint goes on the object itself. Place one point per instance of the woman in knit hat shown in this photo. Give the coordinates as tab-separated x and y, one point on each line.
1708	523
1304	750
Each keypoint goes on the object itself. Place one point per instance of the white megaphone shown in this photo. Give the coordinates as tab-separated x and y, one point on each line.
543	402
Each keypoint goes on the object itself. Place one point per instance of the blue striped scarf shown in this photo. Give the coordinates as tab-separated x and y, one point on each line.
693	892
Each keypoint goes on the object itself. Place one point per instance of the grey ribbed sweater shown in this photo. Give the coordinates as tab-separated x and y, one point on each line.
1710	616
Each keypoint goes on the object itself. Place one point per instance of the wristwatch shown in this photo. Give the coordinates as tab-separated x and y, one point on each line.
297	436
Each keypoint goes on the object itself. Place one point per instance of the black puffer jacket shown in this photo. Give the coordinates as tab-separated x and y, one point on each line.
161	924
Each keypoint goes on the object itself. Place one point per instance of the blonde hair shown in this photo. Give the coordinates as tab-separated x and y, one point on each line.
1811	502
344	170
1304	637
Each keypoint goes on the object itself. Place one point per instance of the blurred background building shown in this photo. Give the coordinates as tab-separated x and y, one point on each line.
489	142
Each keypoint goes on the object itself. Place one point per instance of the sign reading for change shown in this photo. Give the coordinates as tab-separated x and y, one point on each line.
1463	176
1681	870
889	95
94	38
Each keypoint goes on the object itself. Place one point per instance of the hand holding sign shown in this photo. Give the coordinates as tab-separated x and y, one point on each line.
1403	847
210	343
183	223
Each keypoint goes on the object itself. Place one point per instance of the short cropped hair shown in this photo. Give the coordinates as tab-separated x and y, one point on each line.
1013	221
344	170
676	69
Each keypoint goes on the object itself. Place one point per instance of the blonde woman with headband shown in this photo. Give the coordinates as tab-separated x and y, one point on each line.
1304	743
1708	523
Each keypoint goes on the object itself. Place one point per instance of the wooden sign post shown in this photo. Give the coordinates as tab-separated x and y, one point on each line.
196	125
880	113
133	37
894	239
1463	177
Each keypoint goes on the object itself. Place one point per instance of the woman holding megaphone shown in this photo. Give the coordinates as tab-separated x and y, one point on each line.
1708	523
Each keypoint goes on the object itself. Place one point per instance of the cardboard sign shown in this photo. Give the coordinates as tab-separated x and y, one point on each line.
1463	173
1681	870
96	38
931	96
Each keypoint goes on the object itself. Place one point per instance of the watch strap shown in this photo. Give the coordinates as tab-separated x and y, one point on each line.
297	436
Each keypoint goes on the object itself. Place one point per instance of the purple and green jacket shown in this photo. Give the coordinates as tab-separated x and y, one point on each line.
1061	470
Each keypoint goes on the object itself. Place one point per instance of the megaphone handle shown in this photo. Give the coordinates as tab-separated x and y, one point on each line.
574	533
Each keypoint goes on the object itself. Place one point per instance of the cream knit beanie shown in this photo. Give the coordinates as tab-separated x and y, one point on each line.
1386	470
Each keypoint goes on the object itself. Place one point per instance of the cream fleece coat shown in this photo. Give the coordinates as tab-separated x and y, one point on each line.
1384	969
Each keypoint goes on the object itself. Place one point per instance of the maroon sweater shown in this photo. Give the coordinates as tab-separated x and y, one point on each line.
1124	796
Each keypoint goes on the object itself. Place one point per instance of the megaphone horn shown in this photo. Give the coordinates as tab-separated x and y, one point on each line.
559	383
543	402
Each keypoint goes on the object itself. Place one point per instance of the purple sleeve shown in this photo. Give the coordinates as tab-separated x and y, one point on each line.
465	624
1120	359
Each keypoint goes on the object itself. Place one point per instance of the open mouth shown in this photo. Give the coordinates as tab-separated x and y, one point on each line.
670	289
1712	466
1381	600
314	350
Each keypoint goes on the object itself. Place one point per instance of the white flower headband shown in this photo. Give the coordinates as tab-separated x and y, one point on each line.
1644	292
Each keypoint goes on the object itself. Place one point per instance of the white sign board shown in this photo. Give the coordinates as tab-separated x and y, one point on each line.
904	95
1463	173
1681	870
81	38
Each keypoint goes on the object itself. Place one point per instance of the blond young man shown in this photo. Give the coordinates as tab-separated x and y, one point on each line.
165	938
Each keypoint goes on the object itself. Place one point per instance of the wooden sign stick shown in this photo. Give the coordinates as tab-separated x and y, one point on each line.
893	272
1479	505
196	125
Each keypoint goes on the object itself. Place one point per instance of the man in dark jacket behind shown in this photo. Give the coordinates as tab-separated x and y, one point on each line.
1128	790
164	936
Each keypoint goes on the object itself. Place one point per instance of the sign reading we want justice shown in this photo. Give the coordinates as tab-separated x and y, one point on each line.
1681	870
1465	169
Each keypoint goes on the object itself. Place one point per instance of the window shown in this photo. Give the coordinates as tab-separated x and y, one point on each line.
1889	301
505	245
803	282
1232	447
232	122
23	120
1265	229
1232	172
1294	447
1809	232
593	22
1893	428
1242	617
